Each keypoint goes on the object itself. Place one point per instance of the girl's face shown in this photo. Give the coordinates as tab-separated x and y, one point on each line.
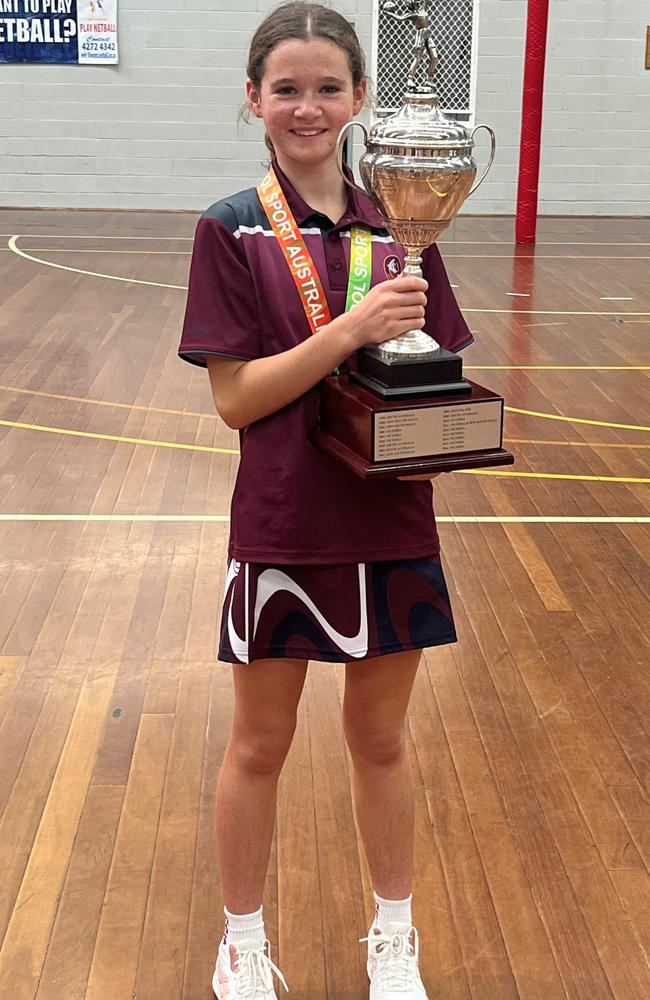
306	96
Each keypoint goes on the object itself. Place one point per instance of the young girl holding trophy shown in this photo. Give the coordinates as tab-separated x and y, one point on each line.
287	282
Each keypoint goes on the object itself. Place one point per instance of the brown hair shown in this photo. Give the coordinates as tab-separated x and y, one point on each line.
305	21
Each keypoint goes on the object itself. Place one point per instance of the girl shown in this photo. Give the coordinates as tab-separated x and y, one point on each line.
322	565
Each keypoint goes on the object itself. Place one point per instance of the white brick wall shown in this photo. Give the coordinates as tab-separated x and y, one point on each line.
157	131
596	125
160	130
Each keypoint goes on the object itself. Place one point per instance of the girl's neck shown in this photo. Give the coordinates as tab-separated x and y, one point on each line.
320	185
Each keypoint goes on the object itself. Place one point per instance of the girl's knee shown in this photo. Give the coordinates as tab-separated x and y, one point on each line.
379	747
263	751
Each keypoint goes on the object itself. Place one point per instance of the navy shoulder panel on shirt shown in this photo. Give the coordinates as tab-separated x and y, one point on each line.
241	209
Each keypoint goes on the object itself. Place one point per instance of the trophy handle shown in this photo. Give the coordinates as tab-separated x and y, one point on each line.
339	153
491	160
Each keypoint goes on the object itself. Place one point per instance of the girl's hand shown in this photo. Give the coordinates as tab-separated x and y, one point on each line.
388	310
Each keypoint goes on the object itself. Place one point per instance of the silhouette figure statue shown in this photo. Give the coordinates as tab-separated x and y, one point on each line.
417	14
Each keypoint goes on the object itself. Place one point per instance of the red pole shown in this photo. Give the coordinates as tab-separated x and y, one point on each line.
531	121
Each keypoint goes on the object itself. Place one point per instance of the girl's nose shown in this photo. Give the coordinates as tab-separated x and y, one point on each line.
308	107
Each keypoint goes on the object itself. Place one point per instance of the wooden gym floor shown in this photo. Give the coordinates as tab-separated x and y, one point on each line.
528	739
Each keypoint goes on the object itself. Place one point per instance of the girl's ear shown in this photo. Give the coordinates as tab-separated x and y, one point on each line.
359	97
253	98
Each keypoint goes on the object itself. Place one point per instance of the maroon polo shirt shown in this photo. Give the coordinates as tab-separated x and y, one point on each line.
292	503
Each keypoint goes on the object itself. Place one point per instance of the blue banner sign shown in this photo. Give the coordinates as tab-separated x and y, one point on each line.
58	31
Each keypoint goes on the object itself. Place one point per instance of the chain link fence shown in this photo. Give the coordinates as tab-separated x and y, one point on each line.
451	24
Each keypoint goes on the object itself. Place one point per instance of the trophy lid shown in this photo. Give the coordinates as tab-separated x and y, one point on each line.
420	124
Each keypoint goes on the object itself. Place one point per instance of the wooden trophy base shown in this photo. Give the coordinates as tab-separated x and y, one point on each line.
386	438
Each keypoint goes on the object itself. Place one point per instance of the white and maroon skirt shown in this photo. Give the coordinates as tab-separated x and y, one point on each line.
335	613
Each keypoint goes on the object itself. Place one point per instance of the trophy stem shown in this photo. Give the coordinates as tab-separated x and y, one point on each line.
414	342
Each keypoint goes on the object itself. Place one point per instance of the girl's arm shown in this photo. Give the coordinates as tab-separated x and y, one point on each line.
246	391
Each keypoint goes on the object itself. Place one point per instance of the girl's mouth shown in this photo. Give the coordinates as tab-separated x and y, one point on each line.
307	133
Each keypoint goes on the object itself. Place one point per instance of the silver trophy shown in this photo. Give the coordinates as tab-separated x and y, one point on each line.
417	170
407	410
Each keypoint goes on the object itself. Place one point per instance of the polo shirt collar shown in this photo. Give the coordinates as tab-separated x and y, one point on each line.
359	208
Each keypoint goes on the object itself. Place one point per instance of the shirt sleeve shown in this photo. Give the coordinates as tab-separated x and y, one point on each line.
221	315
443	318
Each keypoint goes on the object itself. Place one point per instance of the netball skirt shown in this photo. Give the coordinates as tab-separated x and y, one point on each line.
333	613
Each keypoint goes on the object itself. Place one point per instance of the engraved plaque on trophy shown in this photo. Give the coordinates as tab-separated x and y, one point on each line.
407	409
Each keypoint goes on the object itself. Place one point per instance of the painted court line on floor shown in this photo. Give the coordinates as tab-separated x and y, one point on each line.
231	451
160	284
221	518
93	274
447	243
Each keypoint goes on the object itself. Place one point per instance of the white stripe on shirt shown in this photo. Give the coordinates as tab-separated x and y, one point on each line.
313	231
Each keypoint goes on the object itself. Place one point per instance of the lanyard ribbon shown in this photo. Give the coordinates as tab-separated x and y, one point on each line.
299	259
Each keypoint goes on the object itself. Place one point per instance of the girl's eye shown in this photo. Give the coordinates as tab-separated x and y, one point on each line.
328	89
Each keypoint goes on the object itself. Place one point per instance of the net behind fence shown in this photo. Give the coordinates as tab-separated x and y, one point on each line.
450	22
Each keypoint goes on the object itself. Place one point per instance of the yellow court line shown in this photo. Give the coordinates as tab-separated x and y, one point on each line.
93	274
215	416
445	519
533	326
116	437
577	420
107	402
575	444
234	451
110	437
554	475
231	451
115	517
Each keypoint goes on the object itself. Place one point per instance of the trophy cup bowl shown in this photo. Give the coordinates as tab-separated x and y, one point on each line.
420	186
417	171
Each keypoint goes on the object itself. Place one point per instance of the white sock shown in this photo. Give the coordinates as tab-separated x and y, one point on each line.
393	911
244	926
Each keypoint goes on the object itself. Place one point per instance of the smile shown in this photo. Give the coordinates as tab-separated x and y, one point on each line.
308	131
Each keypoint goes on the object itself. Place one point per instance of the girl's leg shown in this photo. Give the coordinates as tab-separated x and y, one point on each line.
267	693
377	693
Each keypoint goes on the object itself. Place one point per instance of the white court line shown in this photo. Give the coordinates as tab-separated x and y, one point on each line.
539	243
447	243
85	236
208	518
541	312
12	244
521	295
616	298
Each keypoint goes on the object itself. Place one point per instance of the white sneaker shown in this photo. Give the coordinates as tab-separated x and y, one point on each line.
245	970
393	963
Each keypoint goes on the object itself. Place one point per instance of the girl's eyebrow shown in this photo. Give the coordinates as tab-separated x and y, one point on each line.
283	81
